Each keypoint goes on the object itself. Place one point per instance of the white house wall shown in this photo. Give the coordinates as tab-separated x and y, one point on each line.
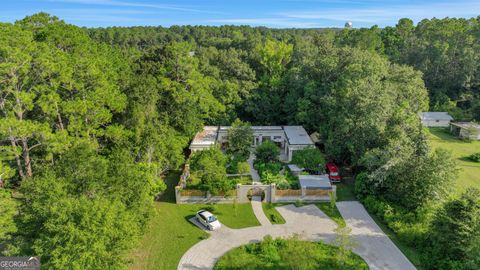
434	123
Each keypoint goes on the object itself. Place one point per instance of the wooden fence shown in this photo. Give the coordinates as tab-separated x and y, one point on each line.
317	192
192	192
288	192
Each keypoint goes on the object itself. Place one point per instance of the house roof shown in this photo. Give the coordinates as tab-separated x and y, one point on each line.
429	116
466	125
315	181
294	168
297	135
206	137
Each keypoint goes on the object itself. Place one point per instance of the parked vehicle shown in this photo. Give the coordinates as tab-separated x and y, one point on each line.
332	171
208	220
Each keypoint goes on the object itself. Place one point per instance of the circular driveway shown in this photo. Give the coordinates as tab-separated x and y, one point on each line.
308	222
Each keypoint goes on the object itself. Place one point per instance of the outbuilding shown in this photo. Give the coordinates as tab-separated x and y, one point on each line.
295	170
435	119
314	182
465	130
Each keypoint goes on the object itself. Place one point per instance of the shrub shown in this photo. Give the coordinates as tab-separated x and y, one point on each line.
209	166
475	157
409	228
454	233
273	218
237	164
269	167
311	159
211	208
240	137
299	203
267	152
243	167
363	186
289	254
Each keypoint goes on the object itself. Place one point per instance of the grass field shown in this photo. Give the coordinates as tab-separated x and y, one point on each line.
272	213
170	234
345	190
288	254
332	212
469	174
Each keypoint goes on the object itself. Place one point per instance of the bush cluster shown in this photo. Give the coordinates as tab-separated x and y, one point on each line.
289	254
475	157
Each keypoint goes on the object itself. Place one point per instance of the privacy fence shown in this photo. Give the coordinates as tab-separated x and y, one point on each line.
243	193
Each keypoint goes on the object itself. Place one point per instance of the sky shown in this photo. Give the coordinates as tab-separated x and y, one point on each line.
270	13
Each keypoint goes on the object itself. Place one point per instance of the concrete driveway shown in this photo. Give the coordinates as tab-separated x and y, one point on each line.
372	244
308	222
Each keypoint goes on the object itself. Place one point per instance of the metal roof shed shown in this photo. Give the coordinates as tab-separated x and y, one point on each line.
315	181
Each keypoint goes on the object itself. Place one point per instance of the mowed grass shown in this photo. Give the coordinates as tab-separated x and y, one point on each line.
332	212
170	234
272	214
345	190
469	174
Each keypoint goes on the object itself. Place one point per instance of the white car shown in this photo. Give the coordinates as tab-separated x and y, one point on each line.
208	220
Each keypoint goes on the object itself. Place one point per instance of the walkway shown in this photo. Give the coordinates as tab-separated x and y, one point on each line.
253	172
258	211
372	244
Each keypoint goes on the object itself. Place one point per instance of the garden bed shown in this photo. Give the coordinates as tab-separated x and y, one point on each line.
288	254
272	214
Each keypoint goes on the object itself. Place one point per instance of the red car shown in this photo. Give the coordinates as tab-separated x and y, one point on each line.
332	171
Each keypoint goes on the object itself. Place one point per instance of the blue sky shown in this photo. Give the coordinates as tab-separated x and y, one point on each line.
271	13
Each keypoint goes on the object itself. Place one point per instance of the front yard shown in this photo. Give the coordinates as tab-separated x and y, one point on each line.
170	234
469	174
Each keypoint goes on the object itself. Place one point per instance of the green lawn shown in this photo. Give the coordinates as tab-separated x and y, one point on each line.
345	190
332	212
272	214
170	234
469	174
283	254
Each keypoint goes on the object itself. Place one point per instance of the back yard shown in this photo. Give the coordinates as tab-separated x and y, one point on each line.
469	174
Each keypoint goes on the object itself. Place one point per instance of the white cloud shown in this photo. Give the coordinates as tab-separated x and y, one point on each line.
388	13
273	22
132	4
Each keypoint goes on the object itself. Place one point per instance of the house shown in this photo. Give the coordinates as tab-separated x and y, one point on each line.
288	138
465	130
435	119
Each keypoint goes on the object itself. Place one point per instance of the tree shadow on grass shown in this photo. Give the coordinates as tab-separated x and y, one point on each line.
171	180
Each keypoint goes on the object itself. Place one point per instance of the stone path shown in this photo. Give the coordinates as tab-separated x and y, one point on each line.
372	244
253	172
258	211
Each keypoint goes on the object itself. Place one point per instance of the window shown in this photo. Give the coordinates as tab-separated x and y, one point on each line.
277	137
437	121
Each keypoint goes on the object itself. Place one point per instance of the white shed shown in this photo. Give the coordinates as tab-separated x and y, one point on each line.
466	130
435	119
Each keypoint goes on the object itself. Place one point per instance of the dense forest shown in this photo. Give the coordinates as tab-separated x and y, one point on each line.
91	119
